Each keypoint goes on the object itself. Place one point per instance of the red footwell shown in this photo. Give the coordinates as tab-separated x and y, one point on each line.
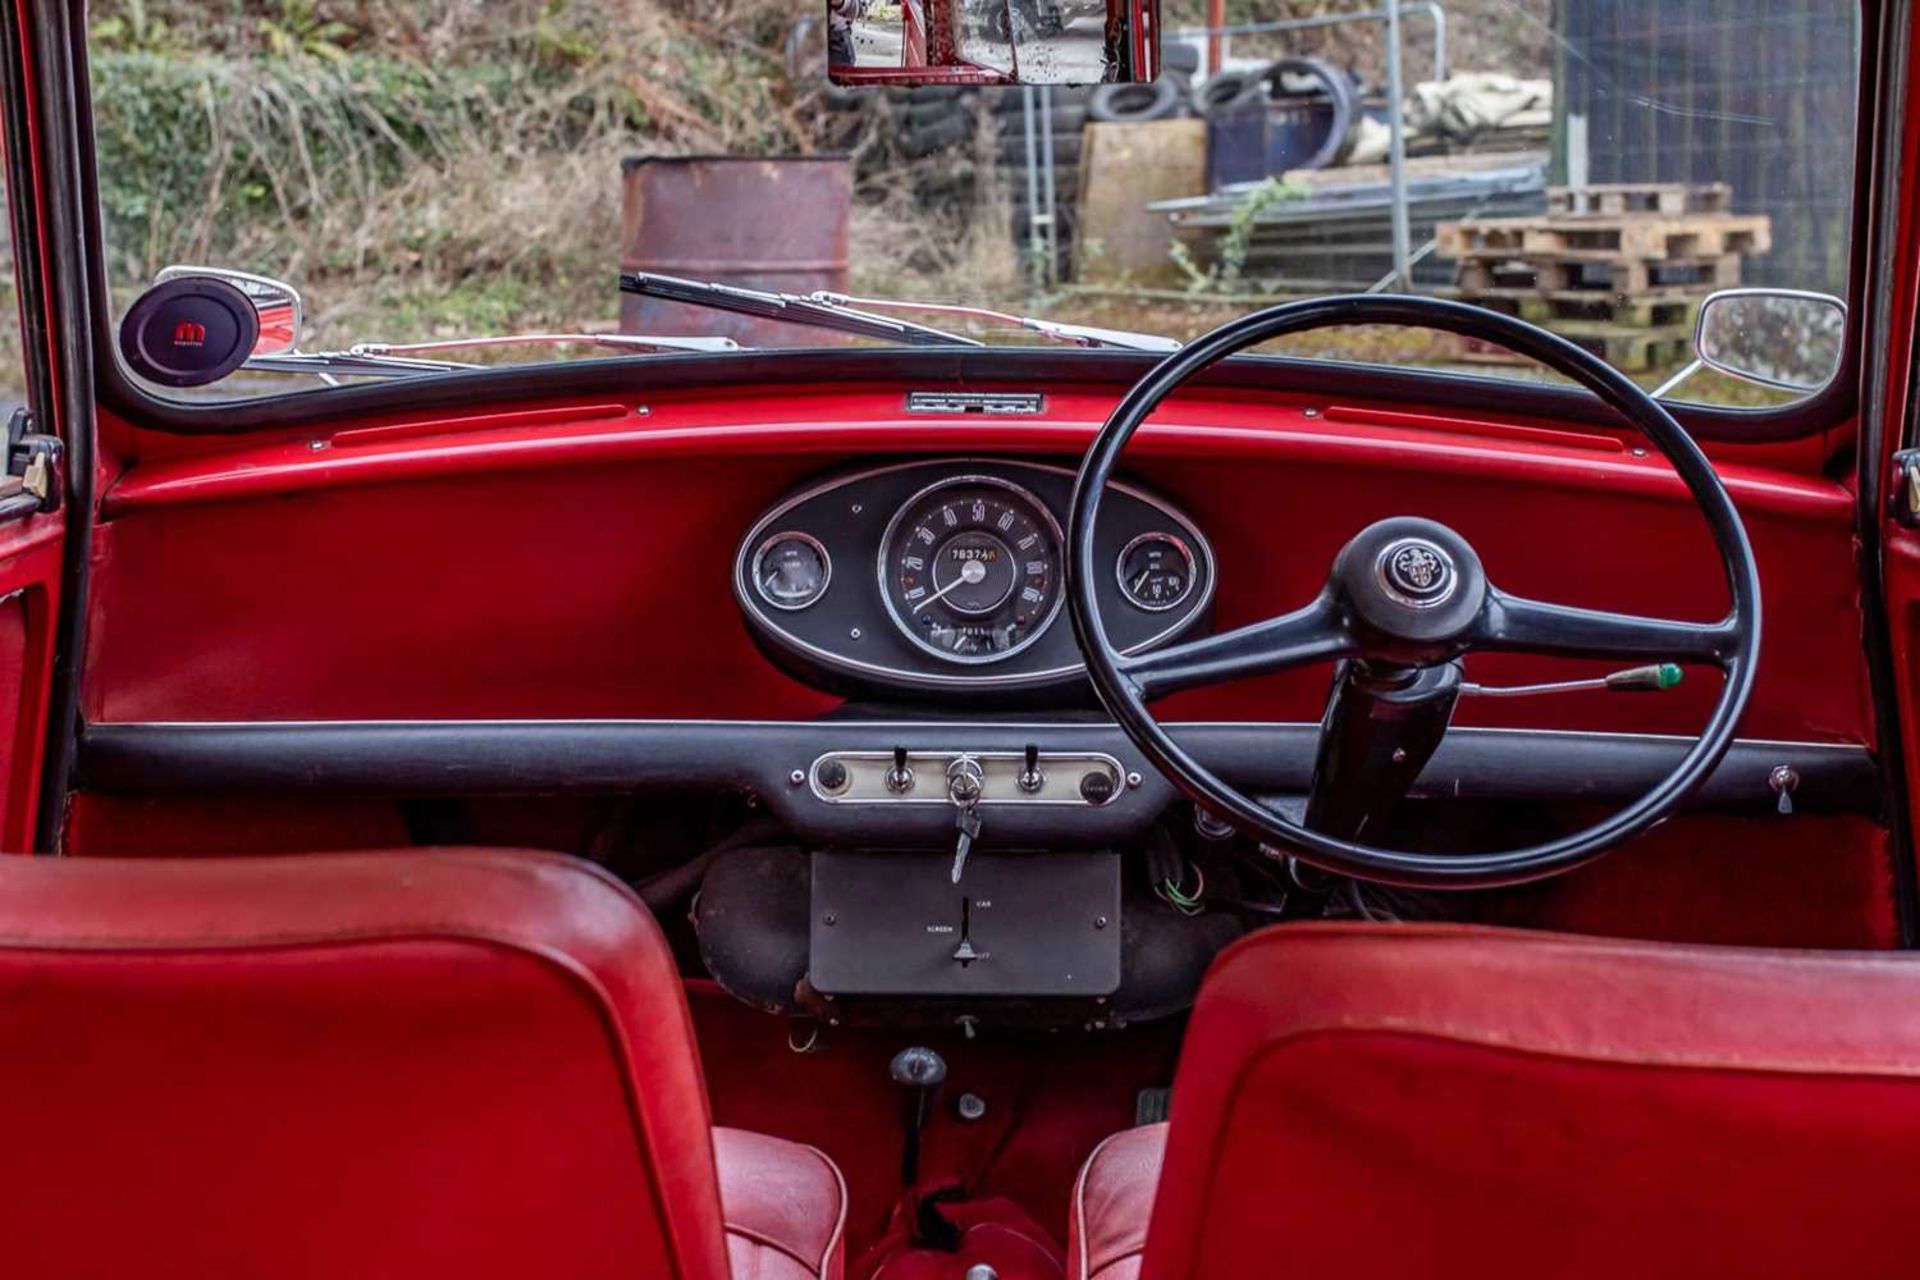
994	1231
1050	1099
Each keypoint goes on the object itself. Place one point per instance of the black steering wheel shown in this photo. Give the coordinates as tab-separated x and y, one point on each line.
1406	598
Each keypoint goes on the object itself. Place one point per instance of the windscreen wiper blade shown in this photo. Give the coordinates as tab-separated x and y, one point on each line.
1080	335
818	310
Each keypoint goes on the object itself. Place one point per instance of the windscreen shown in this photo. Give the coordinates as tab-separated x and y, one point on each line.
421	175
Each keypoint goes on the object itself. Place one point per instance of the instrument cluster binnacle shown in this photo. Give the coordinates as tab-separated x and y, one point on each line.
951	575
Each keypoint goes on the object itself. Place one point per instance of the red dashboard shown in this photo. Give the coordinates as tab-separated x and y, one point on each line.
574	561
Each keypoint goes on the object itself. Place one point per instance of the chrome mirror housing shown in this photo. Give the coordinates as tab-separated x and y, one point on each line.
278	304
1787	339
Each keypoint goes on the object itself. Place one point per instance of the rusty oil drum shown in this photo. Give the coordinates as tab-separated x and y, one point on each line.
777	223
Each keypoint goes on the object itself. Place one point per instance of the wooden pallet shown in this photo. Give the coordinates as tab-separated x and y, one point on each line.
1495	273
1655	238
1659	309
1625	348
1612	198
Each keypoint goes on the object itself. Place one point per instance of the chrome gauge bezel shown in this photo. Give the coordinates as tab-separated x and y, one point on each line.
791	535
1155	535
1047	522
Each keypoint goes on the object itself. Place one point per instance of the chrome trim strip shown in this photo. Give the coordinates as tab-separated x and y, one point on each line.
989	404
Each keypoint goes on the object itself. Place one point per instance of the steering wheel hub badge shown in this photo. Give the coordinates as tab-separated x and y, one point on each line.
1416	573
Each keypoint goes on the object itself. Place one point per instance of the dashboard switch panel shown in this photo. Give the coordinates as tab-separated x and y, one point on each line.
1087	780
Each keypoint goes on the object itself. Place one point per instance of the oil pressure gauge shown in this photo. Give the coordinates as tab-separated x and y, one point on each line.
1156	572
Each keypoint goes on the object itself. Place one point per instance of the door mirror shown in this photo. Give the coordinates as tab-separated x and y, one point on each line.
1055	42
1781	338
278	304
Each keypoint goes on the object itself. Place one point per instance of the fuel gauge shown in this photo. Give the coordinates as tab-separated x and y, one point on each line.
1156	572
791	570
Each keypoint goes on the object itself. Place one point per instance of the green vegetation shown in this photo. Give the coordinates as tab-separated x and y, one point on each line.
418	169
1227	274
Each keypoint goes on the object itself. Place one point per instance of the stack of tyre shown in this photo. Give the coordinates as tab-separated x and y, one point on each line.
1320	104
1066	118
882	126
924	135
1072	109
937	128
930	119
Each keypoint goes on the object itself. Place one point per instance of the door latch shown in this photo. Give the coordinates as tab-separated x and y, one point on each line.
36	461
1906	478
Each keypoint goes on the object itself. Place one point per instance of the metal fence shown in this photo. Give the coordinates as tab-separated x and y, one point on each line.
1761	94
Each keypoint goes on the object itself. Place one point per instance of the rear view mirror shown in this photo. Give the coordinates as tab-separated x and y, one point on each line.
1055	42
197	325
1781	338
278	305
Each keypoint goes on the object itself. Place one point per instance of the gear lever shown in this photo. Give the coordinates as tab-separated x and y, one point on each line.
919	1072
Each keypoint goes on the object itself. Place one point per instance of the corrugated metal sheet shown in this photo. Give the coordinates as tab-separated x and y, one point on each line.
1761	94
1338	236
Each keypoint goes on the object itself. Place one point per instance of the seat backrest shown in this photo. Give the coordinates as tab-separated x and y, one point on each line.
1433	1101
462	1063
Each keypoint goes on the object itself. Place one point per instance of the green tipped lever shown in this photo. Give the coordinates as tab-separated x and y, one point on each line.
1651	679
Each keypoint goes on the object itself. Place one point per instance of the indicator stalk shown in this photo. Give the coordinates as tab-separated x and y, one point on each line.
1654	678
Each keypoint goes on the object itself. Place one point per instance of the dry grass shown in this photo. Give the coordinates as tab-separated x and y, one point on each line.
900	247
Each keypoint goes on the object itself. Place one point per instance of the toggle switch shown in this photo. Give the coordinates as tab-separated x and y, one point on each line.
900	777
1031	778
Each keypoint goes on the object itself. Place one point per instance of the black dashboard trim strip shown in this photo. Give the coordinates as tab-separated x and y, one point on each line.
530	757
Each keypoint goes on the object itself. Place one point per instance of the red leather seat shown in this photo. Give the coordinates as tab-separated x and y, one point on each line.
1414	1100
455	1064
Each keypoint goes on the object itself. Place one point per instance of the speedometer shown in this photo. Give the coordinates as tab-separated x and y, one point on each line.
970	569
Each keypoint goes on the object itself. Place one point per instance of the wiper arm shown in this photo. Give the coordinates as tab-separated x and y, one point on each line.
822	311
401	359
618	341
351	364
1080	335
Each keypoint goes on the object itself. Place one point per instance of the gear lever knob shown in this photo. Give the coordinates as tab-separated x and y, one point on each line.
918	1067
919	1072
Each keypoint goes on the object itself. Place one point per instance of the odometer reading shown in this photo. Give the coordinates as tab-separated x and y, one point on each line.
970	569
